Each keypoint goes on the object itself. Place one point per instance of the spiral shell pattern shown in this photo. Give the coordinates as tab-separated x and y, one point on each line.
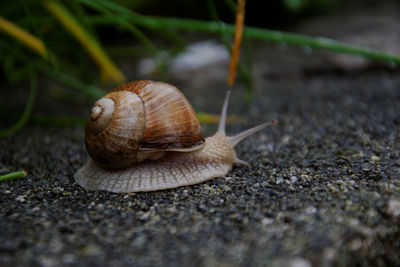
141	120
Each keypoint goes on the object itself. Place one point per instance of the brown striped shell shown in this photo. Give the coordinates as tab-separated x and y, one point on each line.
140	120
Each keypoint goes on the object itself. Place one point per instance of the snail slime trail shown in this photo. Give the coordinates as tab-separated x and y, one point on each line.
136	142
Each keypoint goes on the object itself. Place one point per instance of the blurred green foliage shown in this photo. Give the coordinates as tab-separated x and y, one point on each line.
83	38
71	58
310	6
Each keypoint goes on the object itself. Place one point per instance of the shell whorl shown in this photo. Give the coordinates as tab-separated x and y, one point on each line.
138	121
101	115
171	122
115	128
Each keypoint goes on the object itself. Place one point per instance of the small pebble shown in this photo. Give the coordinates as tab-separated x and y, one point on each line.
20	198
394	207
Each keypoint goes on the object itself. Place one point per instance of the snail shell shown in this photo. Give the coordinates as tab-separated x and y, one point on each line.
140	120
166	148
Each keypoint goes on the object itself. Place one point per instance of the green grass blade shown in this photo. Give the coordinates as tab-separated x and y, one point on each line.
28	109
92	46
13	175
56	74
125	23
160	23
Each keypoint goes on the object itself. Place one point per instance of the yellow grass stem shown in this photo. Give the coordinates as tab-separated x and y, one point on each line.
24	37
109	70
214	119
237	41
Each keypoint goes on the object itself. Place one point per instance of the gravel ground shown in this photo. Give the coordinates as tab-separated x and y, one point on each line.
322	188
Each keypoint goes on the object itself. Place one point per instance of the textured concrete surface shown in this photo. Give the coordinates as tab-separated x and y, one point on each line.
322	188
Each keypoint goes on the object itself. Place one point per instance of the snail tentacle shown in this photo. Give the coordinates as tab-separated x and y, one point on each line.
240	136
222	121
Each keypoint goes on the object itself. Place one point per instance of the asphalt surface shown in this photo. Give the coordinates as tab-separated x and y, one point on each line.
322	188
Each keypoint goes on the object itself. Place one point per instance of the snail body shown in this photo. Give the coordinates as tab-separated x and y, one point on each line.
166	150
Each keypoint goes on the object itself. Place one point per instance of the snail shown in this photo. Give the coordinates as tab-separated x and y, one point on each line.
145	136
